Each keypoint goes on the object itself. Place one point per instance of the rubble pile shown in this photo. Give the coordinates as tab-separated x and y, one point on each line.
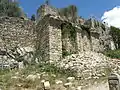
88	64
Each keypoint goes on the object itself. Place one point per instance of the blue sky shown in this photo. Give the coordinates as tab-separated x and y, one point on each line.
86	8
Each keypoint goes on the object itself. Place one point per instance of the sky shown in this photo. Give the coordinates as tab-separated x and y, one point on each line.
105	10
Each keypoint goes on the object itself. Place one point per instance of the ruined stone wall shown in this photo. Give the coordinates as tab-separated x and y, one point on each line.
59	38
100	39
16	32
17	39
100	36
45	10
91	35
69	45
55	48
86	44
83	40
42	43
49	44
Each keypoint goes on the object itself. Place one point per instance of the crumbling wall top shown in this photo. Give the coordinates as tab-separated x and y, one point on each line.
44	10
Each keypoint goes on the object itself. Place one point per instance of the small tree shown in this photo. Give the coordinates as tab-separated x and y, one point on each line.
9	8
47	2
115	32
33	17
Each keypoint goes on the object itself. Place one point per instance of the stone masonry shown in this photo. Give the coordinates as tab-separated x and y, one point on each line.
58	38
70	46
16	31
17	40
49	39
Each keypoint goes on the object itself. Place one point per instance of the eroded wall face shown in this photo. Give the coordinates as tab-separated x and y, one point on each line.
101	39
79	41
55	44
17	40
83	41
98	40
45	10
69	43
86	41
42	42
49	43
96	45
16	32
100	36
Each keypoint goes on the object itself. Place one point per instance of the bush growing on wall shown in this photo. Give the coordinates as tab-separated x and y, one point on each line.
33	17
115	32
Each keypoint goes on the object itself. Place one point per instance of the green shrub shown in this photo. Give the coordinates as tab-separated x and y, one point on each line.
33	17
115	32
113	54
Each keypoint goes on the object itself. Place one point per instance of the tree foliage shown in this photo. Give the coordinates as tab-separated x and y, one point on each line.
47	2
115	32
33	17
8	8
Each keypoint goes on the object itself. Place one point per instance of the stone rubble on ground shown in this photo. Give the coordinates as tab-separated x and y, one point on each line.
58	82
47	85
87	64
33	77
71	79
78	88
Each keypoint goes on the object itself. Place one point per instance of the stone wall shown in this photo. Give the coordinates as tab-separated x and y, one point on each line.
42	43
55	37
49	44
86	40
55	44
99	36
69	45
16	31
45	10
91	34
59	37
17	39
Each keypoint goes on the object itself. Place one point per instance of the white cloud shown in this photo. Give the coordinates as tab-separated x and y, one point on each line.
112	17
